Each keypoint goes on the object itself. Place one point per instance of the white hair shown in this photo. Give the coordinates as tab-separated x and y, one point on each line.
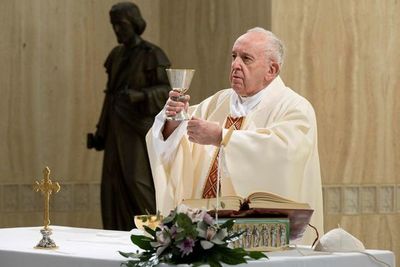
274	46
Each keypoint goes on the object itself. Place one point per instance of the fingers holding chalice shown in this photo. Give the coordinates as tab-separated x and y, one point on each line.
176	104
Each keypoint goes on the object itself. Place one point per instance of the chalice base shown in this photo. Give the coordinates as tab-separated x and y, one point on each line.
46	242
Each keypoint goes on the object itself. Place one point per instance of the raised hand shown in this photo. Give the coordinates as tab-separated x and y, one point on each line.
176	103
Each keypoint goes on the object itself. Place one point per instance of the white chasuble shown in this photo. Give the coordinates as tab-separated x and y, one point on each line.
275	151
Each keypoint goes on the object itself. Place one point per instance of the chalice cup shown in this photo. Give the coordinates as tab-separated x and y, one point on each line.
180	80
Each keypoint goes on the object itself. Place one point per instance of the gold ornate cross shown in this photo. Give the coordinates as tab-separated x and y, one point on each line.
46	187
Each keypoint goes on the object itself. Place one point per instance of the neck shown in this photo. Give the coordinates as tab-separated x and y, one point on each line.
134	41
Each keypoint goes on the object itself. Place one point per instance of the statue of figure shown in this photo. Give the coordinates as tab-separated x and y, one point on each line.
256	235
249	231
241	240
282	230
137	89
265	236
274	231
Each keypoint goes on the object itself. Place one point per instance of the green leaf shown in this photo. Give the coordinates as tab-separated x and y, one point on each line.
128	254
214	263
228	224
202	225
142	241
149	230
234	236
184	221
170	218
233	256
189	229
256	255
131	264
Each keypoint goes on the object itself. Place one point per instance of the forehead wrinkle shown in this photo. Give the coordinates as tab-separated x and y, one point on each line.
253	52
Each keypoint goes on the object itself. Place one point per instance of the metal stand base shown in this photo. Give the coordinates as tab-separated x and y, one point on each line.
46	242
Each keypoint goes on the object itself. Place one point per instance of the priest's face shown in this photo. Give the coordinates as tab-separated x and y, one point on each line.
250	69
123	29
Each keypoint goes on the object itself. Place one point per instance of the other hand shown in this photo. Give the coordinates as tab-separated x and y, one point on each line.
95	141
204	132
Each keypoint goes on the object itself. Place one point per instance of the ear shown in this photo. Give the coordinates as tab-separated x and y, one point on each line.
274	69
272	72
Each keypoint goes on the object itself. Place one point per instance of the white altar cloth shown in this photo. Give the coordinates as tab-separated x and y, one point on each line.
80	247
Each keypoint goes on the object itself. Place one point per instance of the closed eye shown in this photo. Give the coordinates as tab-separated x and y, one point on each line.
247	59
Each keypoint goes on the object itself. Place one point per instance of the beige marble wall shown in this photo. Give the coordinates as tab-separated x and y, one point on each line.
343	56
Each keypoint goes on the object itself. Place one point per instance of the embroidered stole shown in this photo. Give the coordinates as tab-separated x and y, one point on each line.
210	187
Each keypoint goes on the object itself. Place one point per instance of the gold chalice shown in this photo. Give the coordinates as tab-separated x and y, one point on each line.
151	221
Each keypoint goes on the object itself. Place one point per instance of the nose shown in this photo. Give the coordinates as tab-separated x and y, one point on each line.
236	63
116	28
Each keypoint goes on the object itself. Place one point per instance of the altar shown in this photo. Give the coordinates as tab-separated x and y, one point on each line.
81	247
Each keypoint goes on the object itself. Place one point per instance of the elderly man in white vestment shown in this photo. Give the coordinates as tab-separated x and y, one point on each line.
273	145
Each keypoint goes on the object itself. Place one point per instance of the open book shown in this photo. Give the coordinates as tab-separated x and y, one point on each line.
258	205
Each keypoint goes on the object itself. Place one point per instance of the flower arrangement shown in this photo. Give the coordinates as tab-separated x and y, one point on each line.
188	236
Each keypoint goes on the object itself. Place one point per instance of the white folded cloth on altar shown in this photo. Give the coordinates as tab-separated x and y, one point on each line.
81	247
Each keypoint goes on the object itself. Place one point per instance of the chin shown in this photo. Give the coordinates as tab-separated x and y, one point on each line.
237	90
120	40
237	87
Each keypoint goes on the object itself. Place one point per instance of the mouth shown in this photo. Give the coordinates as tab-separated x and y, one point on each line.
236	78
236	75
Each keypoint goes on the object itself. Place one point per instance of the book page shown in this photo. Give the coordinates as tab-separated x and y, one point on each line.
270	200
254	204
226	203
267	196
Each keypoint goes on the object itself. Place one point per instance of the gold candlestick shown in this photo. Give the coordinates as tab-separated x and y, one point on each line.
46	187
